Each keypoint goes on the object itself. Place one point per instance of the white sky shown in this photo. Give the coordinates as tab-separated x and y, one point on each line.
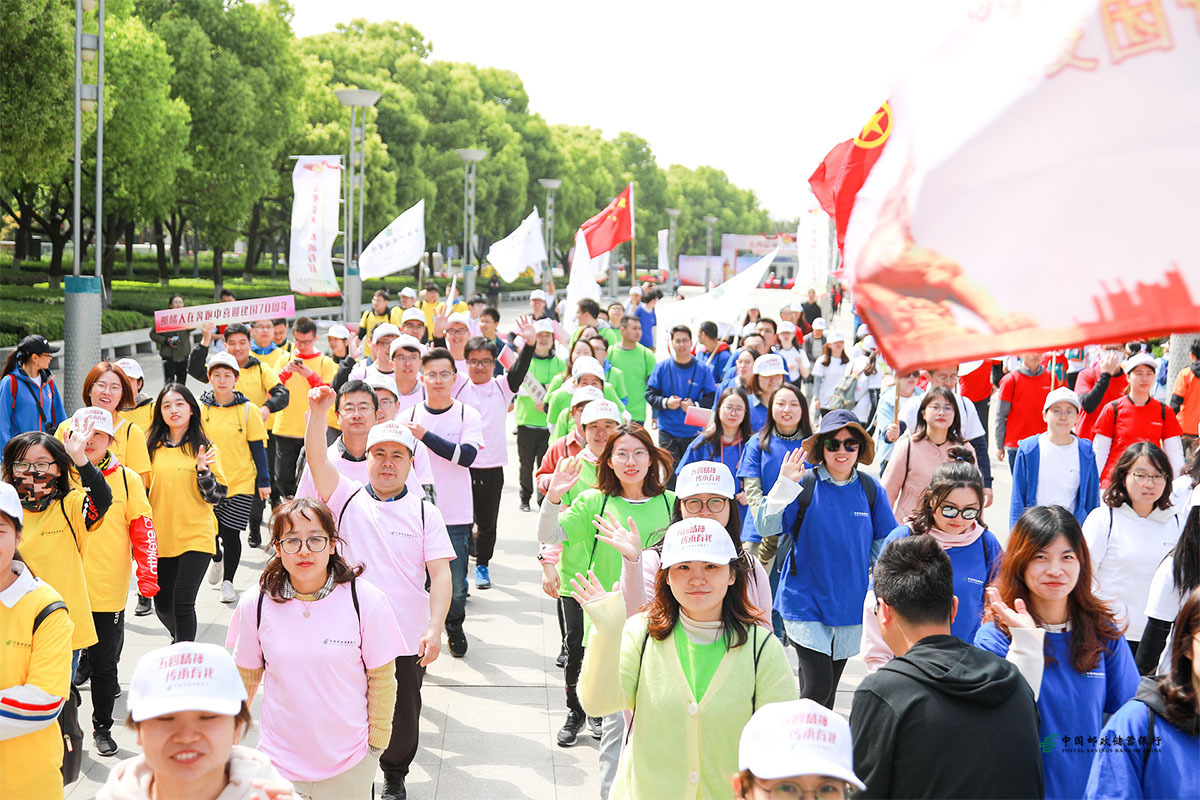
761	90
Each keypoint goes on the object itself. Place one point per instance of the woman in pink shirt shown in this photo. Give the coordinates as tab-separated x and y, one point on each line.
918	453
313	630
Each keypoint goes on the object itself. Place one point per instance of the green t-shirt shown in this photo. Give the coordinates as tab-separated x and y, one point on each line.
610	335
582	551
636	366
560	399
699	661
616	377
543	370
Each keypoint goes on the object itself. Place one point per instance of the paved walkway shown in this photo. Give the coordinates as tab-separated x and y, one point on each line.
489	719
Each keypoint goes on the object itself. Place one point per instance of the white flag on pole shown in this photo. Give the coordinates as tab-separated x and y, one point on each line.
585	271
522	248
664	250
317	188
399	246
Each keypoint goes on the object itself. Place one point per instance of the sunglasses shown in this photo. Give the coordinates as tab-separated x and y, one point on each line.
833	445
950	512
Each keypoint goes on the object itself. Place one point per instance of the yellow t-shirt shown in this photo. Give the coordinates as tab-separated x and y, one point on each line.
274	359
370	319
429	309
183	521
231	429
129	444
290	421
256	382
107	564
141	416
54	546
29	764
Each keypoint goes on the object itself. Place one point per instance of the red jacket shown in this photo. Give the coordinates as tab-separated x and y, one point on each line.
559	449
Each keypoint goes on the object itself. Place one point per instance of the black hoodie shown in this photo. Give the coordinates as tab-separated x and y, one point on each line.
946	720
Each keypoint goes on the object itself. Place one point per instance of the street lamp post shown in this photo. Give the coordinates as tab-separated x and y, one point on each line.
551	185
709	221
351	281
471	159
673	264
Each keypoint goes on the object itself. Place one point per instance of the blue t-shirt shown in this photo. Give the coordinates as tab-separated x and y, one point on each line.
1170	767
649	322
973	567
693	381
765	466
758	414
729	455
1072	704
831	555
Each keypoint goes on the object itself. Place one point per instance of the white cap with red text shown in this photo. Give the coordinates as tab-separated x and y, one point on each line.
187	676
770	364
222	360
697	539
600	409
131	368
585	394
100	419
795	738
705	477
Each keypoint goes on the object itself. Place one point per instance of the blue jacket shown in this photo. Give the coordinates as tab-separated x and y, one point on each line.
28	407
1025	480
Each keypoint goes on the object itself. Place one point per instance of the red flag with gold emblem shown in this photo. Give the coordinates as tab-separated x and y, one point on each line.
612	226
842	173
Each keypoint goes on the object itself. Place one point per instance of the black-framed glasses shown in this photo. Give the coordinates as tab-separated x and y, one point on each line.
950	512
38	467
833	445
694	505
481	362
315	544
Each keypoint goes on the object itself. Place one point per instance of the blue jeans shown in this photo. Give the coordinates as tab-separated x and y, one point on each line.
460	536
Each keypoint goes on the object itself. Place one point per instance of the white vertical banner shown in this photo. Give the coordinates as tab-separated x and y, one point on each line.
316	214
585	272
399	246
664	250
812	251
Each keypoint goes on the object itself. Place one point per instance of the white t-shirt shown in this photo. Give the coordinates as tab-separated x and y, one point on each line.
1164	602
969	424
419	475
461	425
362	371
796	360
1058	473
388	538
491	400
830	377
316	674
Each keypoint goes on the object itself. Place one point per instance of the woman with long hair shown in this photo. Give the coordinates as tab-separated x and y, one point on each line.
919	452
692	669
1042	603
1131	532
106	386
1148	768
186	481
951	511
1174	579
725	439
284	646
830	368
768	374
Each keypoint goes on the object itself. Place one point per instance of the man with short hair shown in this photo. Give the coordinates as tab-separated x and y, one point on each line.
489	321
432	306
475	305
943	718
677	384
279	332
1019	414
539	307
767	328
408	298
812	310
588	315
649	319
307	369
377	314
533	427
636	362
716	352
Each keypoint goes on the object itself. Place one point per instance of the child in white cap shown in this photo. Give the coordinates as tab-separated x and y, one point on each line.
188	708
795	749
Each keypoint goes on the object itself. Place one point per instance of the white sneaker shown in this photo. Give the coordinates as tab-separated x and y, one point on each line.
214	572
227	593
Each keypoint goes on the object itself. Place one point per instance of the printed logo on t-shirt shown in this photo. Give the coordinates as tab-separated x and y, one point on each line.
1099	675
975	581
341	642
861	514
405	534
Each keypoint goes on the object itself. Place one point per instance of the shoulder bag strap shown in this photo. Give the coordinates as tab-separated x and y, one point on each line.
592	556
47	611
641	658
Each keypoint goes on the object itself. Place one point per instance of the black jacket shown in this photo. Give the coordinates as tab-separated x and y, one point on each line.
946	719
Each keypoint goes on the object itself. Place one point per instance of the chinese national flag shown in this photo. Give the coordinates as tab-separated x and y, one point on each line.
612	226
838	178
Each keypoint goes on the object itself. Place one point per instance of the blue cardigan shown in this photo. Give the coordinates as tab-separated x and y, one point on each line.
1025	480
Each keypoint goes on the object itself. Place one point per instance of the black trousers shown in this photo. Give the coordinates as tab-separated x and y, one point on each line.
531	446
179	580
174	371
256	513
573	621
406	718
676	446
486	485
983	407
819	675
229	550
103	657
285	468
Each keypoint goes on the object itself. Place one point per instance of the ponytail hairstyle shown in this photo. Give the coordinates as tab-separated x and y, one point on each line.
274	577
958	472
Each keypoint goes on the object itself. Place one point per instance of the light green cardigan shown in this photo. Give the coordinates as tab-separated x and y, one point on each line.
678	748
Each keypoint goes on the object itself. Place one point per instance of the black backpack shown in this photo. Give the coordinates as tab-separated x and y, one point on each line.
68	717
808	485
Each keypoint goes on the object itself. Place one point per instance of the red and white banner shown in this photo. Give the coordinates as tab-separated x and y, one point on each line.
1037	188
181	319
317	187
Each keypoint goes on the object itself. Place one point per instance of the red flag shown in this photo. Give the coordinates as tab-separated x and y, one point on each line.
612	226
842	173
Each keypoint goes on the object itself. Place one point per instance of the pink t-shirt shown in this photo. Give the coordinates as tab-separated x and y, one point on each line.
419	475
491	400
459	424
316	674
388	539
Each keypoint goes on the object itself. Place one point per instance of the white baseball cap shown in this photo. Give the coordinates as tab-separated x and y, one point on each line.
819	322
600	409
797	737
1062	395
635	289
537	294
755	306
382	384
835	337
100	419
543	326
131	368
697	539
340	331
10	502
868	344
786	327
863	330
459	318
770	364
797	307
585	394
1139	360
749	328
222	360
392	431
408	291
411	314
187	676
406	341
587	365
386	329
705	477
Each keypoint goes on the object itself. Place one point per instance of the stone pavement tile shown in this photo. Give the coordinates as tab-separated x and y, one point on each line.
477	763
491	665
491	709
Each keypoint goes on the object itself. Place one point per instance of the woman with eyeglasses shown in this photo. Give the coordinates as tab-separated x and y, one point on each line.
794	750
106	386
725	439
1042	615
312	629
919	452
951	511
836	517
1131	532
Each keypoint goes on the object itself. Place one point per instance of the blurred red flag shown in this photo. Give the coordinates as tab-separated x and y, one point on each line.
612	226
842	173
